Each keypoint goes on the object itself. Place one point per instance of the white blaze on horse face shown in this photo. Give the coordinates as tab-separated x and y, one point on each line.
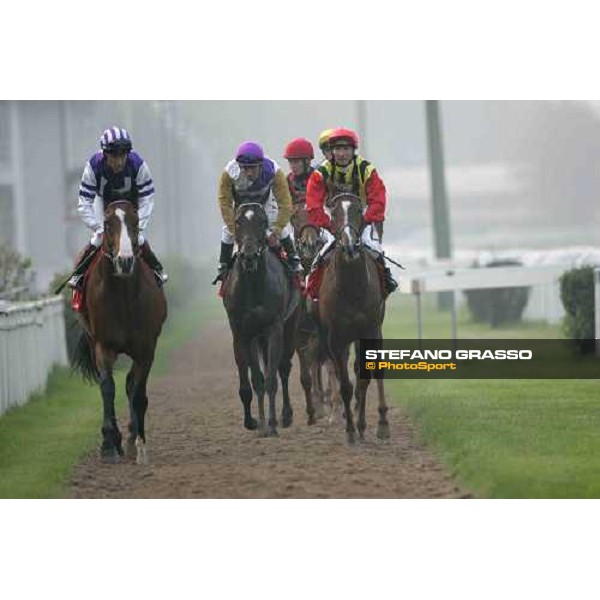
347	229
125	245
249	214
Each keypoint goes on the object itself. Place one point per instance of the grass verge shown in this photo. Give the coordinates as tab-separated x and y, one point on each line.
503	438
43	440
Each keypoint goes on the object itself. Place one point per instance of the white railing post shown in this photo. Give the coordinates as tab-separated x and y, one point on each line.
32	341
597	308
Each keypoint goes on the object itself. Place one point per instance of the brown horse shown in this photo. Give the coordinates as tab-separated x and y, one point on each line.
262	304
351	307
306	338
124	313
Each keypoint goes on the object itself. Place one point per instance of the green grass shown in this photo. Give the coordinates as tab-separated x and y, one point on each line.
501	438
43	440
401	323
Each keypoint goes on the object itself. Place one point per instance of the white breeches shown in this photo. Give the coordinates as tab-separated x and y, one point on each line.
271	210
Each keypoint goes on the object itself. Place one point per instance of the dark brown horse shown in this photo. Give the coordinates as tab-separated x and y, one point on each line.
351	307
124	313
262	304
306	339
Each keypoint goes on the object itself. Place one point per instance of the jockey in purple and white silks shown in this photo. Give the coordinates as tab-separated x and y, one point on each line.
115	173
253	177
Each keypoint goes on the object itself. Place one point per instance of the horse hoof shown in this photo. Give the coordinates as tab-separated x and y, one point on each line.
351	437
320	411
287	420
130	450
273	432
251	424
383	432
109	457
311	420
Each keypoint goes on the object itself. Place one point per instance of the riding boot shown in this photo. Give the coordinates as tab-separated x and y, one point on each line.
153	262
224	261
293	260
389	283
83	262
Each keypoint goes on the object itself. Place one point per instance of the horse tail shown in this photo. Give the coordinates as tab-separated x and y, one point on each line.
83	361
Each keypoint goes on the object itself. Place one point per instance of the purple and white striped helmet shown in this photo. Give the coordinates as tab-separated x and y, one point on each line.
115	138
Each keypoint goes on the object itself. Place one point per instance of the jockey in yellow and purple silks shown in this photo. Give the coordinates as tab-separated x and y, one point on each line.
253	177
115	173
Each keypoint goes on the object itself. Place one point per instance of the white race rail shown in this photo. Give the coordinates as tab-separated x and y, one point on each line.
454	280
32	341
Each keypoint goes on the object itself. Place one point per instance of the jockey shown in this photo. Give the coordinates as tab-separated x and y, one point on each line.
115	173
299	152
253	177
348	172
324	143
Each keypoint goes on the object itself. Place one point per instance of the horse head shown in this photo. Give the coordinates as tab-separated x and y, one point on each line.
121	232
347	217
251	223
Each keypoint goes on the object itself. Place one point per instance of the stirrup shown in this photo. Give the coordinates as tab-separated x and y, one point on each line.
222	271
75	283
161	277
390	284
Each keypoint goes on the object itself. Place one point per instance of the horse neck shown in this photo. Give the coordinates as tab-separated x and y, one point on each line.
351	275
253	285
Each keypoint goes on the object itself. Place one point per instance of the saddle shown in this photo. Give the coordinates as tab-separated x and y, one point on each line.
315	278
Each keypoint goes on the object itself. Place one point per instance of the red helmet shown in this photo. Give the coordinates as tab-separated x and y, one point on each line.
342	135
299	148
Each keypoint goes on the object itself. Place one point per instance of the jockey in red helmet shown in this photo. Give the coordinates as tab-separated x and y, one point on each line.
299	153
115	173
253	177
347	172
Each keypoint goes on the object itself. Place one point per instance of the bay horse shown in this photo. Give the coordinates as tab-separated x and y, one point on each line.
261	303
306	339
351	307
124	311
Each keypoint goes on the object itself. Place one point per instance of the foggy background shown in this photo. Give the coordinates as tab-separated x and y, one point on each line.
520	175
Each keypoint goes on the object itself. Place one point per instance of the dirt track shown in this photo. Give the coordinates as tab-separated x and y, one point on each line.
198	447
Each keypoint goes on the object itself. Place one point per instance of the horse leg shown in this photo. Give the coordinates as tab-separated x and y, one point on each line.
258	384
317	392
274	352
287	413
362	386
340	357
129	383
138	404
242	361
335	413
285	368
357	388
383	427
306	381
111	436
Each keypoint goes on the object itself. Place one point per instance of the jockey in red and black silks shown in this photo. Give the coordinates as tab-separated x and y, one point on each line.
347	172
